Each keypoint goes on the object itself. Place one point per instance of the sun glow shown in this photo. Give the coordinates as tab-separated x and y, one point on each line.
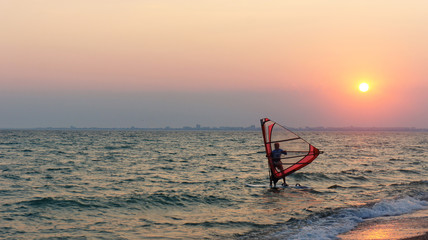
364	87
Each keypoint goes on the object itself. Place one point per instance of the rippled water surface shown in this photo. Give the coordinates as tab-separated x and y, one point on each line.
191	185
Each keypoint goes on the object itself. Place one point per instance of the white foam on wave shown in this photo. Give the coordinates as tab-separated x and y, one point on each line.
346	219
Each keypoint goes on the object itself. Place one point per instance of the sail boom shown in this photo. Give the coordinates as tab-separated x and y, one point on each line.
284	140
298	156
294	163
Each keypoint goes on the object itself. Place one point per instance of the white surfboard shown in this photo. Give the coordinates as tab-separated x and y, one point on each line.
297	186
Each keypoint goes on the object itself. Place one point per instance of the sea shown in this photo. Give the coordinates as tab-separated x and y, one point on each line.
135	184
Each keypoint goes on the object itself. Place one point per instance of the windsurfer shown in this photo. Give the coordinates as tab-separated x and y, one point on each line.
276	158
273	134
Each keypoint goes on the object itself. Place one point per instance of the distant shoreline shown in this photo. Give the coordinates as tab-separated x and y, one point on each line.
251	128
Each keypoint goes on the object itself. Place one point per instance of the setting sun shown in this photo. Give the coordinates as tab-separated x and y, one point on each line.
364	87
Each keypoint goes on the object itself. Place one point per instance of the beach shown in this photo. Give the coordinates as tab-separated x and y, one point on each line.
410	226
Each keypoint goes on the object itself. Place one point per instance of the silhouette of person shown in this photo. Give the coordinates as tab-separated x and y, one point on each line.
276	158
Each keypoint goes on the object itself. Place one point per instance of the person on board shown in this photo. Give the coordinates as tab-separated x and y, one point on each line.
276	158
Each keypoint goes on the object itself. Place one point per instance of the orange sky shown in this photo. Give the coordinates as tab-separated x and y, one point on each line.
315	51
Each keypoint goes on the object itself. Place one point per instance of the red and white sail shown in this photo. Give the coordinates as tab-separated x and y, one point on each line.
299	152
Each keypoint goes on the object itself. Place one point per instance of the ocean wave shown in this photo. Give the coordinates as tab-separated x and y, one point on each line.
315	176
416	189
161	200
9	143
329	225
60	202
212	224
118	147
408	171
135	201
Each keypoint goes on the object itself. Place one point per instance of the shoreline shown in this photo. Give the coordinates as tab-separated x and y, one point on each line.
411	226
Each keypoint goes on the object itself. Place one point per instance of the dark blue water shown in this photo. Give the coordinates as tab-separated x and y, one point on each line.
191	185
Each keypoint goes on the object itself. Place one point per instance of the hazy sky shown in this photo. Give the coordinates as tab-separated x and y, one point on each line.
147	63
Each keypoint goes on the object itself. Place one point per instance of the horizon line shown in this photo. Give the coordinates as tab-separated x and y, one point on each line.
235	128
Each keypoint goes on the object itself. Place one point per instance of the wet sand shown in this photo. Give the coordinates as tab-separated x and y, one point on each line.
409	226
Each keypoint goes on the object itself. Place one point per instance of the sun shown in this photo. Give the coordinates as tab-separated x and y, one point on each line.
364	87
